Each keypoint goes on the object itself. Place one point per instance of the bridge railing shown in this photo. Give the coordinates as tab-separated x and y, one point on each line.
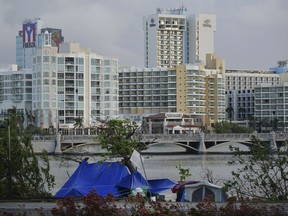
186	137
170	137
77	137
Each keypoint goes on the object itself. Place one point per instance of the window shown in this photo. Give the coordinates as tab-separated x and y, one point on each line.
46	58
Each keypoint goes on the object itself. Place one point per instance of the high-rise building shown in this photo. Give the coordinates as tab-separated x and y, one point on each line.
271	108
174	37
187	89
30	37
240	86
73	82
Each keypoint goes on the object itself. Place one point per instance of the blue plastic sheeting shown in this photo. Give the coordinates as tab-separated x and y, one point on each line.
101	177
109	177
133	181
160	185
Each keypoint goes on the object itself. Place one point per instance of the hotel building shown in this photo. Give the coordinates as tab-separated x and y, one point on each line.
173	37
189	89
240	86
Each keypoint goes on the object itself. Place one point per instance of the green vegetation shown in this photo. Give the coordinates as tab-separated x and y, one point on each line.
229	127
263	174
21	176
120	138
184	173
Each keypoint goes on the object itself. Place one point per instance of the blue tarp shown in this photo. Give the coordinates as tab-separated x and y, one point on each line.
109	177
160	185
103	177
133	181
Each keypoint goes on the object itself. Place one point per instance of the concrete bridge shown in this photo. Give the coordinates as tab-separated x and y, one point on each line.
193	143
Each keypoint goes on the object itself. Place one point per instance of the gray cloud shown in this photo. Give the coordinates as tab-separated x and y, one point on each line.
251	34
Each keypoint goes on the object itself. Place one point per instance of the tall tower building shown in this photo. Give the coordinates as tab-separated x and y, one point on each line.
173	37
201	30
31	37
72	82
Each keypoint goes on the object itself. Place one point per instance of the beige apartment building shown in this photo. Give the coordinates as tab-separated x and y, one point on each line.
190	89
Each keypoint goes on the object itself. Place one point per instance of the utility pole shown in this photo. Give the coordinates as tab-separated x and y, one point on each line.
9	165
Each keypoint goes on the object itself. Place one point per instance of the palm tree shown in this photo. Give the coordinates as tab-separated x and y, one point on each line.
230	112
252	121
78	122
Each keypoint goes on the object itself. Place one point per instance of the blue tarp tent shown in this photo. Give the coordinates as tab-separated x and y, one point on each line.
133	181
108	177
103	177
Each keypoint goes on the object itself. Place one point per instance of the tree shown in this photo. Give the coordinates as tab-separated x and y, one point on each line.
252	122
228	127
263	174
274	123
184	173
230	112
265	123
20	173
79	123
120	138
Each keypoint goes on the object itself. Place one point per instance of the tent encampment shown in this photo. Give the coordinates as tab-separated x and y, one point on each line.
109	177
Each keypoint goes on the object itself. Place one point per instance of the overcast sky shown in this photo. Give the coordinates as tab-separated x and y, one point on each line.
251	34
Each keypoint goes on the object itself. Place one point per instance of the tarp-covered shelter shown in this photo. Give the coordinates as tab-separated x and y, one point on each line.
132	181
109	177
197	191
103	177
160	185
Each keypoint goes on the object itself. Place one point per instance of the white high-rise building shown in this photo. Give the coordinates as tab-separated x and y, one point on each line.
173	37
201	30
73	83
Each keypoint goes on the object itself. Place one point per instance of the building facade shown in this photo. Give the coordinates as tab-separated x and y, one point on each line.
271	109
240	86
65	81
174	37
172	123
189	89
16	90
73	82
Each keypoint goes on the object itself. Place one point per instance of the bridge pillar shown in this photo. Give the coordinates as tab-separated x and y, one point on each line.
58	144
202	147
273	144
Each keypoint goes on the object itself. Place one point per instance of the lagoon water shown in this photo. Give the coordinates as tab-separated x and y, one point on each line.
158	166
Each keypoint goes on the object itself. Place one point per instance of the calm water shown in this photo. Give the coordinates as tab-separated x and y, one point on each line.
159	166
